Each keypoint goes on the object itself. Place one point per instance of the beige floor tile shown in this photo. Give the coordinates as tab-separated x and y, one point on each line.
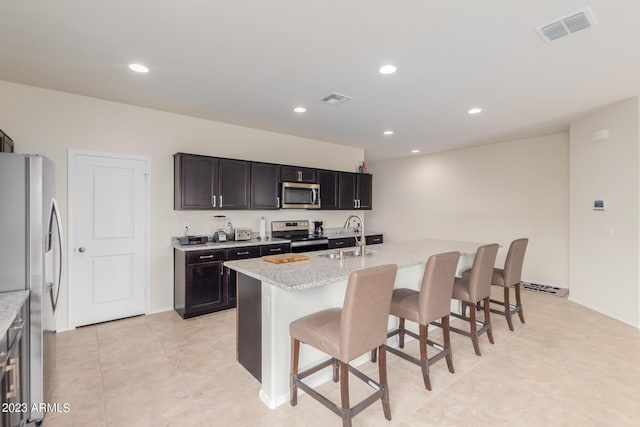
446	410
566	366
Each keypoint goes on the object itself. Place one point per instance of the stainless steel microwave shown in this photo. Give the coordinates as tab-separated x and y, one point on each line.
298	195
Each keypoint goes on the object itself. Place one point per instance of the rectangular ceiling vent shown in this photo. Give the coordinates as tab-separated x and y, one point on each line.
336	99
567	25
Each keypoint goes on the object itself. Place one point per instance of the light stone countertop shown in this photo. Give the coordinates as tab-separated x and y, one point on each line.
319	270
230	244
10	305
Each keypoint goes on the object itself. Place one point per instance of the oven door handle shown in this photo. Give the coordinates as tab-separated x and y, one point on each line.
310	243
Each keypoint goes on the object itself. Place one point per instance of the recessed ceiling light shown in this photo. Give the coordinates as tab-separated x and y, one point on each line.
415	151
387	69
299	109
138	68
475	110
388	132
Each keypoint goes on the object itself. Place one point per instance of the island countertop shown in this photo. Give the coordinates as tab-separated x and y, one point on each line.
319	270
10	305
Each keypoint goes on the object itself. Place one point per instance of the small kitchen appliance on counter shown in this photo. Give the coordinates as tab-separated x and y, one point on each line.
317	228
192	240
219	222
242	234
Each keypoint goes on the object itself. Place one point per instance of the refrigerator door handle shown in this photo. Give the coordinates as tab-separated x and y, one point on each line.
55	213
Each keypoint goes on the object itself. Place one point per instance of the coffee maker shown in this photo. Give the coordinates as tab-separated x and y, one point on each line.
317	228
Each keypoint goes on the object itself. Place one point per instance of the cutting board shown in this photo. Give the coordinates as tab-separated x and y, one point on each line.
282	258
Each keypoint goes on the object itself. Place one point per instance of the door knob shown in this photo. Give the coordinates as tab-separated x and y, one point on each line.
81	249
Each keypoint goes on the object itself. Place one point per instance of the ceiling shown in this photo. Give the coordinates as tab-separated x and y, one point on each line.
251	62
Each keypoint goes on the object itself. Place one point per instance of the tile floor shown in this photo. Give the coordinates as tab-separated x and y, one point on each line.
567	366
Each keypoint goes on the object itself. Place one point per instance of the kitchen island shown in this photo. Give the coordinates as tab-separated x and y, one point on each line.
270	296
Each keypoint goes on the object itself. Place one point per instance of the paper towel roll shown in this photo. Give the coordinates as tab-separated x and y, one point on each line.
263	228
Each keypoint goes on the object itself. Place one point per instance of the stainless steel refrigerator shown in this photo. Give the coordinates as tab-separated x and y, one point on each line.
31	257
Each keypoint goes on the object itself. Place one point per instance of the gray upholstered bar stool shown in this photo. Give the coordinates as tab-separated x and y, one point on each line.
473	288
432	303
345	334
510	277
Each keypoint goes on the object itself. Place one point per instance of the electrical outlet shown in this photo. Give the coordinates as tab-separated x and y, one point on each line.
186	227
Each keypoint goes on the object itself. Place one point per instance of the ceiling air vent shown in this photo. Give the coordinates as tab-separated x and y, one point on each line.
336	99
567	25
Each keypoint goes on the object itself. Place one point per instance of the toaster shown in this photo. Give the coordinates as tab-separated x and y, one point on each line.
242	234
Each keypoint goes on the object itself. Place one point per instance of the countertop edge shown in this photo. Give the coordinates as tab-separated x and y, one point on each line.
10	305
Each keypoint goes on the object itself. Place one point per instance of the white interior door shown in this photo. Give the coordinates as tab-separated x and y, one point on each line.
109	196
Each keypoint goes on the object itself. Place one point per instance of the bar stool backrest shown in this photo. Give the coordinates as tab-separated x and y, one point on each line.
514	261
365	312
481	274
437	285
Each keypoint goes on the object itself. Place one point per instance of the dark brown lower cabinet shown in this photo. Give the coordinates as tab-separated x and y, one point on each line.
13	393
343	242
199	282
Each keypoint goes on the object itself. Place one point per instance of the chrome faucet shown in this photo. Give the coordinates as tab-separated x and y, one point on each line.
362	241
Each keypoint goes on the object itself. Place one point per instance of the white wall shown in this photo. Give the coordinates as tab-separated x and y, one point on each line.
603	263
49	123
490	193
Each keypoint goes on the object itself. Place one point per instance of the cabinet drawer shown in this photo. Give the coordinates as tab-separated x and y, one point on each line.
197	257
275	249
243	252
374	239
344	242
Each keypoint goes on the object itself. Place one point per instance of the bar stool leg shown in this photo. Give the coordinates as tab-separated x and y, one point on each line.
474	329
401	335
344	393
447	343
382	369
507	308
424	363
519	302
374	356
336	370
295	353
487	319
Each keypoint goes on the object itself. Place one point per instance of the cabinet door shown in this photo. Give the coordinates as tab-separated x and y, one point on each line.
195	182
328	181
265	183
296	174
234	184
6	143
204	290
347	190
364	191
12	388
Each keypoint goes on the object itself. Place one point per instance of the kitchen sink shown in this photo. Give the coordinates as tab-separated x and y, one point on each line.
342	254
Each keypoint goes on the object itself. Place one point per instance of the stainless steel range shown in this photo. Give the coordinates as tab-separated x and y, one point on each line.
298	233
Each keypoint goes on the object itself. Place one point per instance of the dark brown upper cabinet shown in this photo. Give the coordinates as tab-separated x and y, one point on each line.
210	183
364	191
265	186
355	191
207	183
6	143
328	181
233	184
296	174
195	182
